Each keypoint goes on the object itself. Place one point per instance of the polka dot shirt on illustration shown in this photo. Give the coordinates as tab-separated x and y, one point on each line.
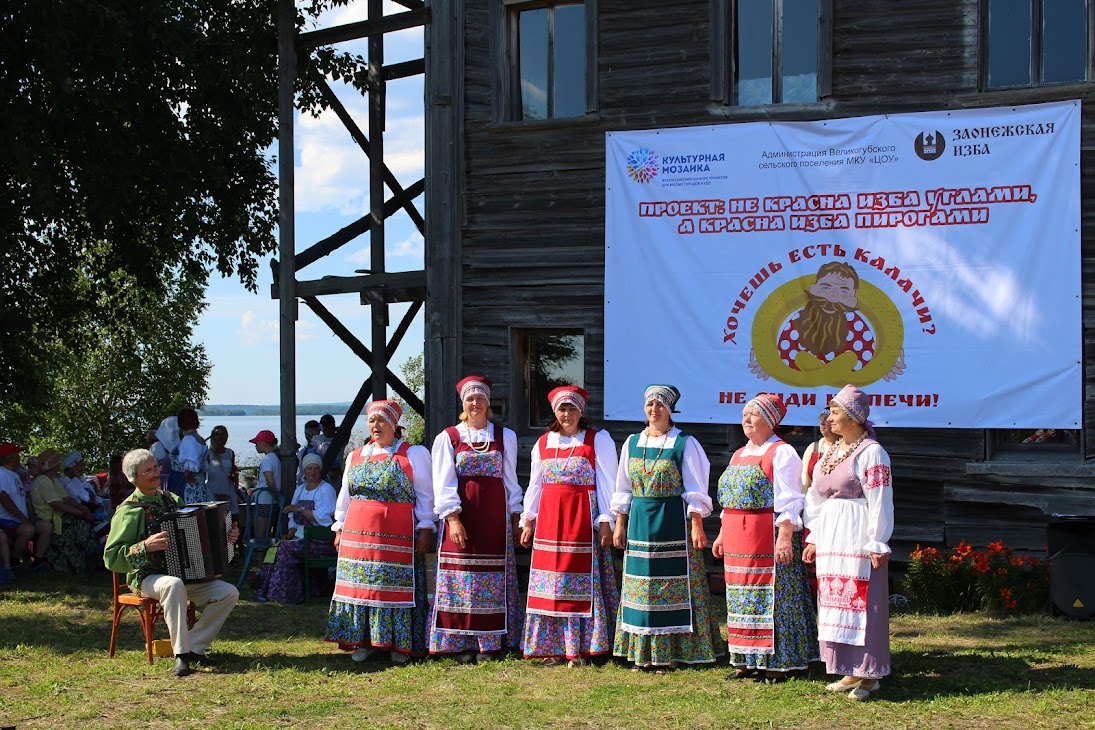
860	340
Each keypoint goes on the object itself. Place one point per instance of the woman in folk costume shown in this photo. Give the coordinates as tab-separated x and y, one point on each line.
849	511
383	529
476	611
572	601
815	452
810	457
660	501
771	625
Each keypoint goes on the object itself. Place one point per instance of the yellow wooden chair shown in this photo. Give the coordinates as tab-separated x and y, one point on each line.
149	610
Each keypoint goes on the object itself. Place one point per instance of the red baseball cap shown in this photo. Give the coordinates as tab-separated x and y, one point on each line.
7	449
265	436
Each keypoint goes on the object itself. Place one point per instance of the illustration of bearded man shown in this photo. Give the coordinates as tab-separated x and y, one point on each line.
829	324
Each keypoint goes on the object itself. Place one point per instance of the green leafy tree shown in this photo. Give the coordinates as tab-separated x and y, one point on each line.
140	131
414	376
142	367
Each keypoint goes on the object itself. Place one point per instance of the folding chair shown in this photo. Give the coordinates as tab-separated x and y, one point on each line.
261	526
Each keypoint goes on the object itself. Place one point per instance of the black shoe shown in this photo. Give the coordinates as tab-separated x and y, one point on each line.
743	673
201	660
772	679
182	666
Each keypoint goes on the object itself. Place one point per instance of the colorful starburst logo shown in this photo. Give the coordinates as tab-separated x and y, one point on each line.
642	165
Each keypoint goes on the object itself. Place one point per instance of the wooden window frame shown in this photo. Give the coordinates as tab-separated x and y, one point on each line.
505	79
520	412
1035	48
724	56
1040	451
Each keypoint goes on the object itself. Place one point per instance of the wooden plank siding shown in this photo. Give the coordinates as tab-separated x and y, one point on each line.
531	236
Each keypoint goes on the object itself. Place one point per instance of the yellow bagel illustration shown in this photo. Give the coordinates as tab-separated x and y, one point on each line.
881	313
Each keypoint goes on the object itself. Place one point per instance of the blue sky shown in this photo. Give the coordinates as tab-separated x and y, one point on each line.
240	329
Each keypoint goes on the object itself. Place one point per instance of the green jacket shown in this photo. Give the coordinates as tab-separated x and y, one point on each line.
135	519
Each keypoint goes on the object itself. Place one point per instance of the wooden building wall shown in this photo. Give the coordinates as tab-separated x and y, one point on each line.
530	241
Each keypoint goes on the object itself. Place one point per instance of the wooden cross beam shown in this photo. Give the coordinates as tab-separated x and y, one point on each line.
343	236
362	29
363	142
359	349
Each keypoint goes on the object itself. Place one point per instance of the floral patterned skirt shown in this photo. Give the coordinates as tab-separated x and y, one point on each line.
68	550
283	579
563	637
704	644
401	630
443	642
794	617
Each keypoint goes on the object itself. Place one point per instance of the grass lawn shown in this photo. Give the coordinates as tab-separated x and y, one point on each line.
966	671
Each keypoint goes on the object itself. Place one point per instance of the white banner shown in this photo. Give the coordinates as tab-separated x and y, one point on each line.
932	259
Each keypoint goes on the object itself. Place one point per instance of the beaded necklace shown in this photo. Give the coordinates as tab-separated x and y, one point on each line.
661	450
566	465
827	464
479	447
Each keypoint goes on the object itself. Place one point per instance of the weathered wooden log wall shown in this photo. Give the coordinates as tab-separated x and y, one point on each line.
531	241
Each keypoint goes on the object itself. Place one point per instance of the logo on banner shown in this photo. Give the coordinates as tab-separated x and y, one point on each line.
832	331
930	146
642	165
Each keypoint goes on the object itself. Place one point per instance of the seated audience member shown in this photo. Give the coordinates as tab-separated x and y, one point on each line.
73	539
30	472
82	492
136	547
313	504
117	486
16	521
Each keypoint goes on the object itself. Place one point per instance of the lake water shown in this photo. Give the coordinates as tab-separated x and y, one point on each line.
241	429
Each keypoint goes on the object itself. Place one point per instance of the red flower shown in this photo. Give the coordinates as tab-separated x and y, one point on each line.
996	547
963	548
980	562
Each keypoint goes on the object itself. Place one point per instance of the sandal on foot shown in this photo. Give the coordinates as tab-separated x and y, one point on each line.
863	691
743	673
667	668
844	684
575	663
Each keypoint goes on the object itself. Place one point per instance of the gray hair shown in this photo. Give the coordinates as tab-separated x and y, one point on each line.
134	459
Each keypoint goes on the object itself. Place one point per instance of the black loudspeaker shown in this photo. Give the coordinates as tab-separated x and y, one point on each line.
1070	540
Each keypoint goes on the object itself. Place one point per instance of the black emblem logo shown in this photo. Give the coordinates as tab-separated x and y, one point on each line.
931	146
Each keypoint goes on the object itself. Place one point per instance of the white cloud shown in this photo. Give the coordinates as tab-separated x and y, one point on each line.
411	246
362	255
255	332
332	172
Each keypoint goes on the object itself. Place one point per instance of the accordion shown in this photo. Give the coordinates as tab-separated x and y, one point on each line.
197	541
